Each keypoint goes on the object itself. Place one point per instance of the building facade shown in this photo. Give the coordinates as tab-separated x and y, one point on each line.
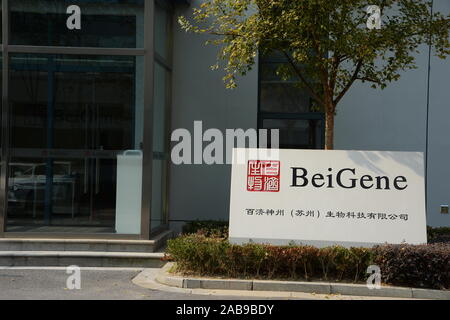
88	109
85	116
409	115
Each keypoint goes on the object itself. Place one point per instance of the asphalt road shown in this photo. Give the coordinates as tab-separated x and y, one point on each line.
116	284
20	284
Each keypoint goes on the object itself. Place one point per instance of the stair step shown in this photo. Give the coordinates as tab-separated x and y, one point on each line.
80	258
88	245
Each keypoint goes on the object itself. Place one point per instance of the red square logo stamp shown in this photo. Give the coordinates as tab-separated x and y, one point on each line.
263	176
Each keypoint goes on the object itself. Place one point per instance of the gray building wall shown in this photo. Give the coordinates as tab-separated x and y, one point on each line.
394	119
438	135
202	191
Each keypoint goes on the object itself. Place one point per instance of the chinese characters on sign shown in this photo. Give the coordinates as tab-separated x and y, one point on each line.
329	214
263	176
262	212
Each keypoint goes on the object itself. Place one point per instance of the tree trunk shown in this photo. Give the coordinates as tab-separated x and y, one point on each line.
329	130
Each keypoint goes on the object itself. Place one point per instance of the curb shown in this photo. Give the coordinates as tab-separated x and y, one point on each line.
294	286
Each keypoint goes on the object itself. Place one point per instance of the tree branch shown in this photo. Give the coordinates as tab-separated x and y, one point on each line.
225	34
350	83
369	80
337	60
303	80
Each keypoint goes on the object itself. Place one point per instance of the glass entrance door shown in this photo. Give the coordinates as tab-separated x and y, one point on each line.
75	159
75	139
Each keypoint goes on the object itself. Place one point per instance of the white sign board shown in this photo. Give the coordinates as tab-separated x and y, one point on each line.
321	198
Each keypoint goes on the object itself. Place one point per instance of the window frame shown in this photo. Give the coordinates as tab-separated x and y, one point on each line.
265	115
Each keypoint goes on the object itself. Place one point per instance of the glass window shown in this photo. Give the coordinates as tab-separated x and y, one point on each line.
76	122
297	134
104	23
278	95
285	105
83	165
283	98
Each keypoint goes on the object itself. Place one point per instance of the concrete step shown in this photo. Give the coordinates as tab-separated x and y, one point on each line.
80	258
88	245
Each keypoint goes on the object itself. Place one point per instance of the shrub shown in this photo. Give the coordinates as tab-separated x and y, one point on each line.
217	229
199	254
424	266
196	253
301	260
436	235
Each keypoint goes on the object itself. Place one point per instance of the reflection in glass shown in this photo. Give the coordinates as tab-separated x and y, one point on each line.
72	117
104	23
278	95
285	105
283	98
297	134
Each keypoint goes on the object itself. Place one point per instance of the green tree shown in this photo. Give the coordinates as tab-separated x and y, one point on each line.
330	44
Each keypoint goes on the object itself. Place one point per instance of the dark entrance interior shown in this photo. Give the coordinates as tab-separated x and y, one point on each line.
70	116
